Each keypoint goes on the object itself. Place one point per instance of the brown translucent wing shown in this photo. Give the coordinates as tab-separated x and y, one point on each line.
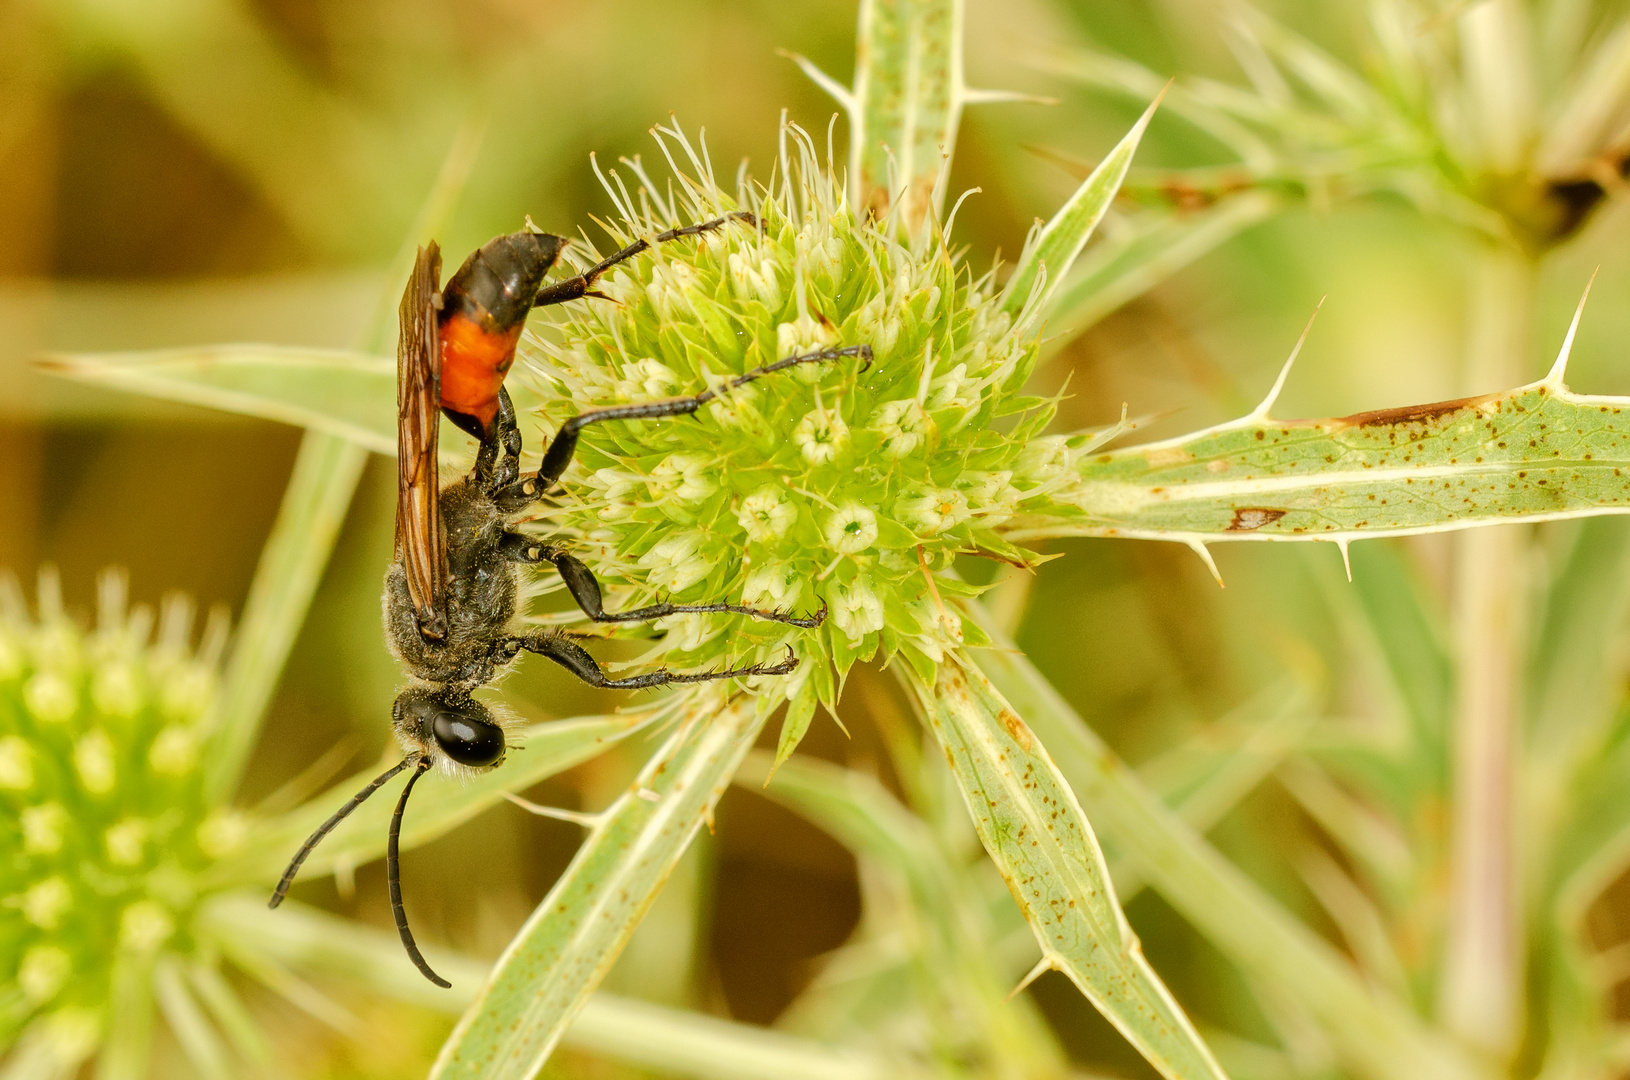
421	545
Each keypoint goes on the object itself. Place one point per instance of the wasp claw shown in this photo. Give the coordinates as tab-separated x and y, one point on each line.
807	622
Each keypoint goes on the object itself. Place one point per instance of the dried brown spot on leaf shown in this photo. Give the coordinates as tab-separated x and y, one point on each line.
1411	414
1017	729
1247	518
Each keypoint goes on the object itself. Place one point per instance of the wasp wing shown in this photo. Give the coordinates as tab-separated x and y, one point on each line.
421	544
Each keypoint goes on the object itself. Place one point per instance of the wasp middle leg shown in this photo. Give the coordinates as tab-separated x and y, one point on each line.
575	659
585	589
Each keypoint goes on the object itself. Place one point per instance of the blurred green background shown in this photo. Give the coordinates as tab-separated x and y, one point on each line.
192	171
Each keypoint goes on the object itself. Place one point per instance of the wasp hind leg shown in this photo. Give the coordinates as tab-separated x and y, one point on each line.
572	656
564	444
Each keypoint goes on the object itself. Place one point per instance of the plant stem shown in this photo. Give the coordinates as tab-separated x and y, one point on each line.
907	104
1480	997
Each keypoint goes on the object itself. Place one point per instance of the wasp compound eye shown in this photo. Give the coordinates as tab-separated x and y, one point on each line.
467	740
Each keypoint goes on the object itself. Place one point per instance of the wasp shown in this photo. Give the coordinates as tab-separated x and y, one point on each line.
452	592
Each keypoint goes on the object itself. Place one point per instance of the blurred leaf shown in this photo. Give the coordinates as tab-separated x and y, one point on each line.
1591	112
1049	254
669	1040
231	1015
1149	248
1210	773
1592	842
335	391
1029	821
543	750
1206	775
574	936
291	566
333	171
1576	669
1368	840
1363	925
1379	1036
1406	624
1393	628
187	1021
954	956
127	1052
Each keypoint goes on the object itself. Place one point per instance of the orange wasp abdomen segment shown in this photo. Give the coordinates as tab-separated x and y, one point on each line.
474	362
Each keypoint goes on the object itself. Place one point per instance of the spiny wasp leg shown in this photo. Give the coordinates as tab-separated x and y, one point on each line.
585	589
571	656
564	444
583	284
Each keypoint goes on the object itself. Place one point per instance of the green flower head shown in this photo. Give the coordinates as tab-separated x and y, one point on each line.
105	823
835	485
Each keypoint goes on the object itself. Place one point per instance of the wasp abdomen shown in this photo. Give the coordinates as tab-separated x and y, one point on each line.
484	309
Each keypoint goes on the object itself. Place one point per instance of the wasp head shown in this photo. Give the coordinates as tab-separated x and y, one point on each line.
451	721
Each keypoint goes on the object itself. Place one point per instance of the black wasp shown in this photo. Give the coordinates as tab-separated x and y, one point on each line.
452	591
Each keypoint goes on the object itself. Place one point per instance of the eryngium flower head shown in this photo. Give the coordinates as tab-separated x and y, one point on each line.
821	486
104	821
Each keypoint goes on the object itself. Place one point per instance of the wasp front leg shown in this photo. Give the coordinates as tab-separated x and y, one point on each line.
564	445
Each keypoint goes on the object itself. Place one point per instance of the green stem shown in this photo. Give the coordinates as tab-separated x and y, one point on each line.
1481	995
906	105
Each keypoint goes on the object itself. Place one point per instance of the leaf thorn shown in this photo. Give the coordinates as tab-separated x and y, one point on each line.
1261	411
820	78
1044	965
975	96
1346	558
576	817
1211	564
1557	377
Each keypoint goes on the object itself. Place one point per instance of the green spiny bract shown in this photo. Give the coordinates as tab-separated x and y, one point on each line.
821	485
105	824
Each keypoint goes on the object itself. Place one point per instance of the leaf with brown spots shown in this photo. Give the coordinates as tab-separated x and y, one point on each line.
1536	453
1029	821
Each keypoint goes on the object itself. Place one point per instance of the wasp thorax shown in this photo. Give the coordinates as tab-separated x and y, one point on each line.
460	726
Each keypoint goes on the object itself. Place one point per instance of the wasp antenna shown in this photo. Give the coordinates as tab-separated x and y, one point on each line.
327	827
393	875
